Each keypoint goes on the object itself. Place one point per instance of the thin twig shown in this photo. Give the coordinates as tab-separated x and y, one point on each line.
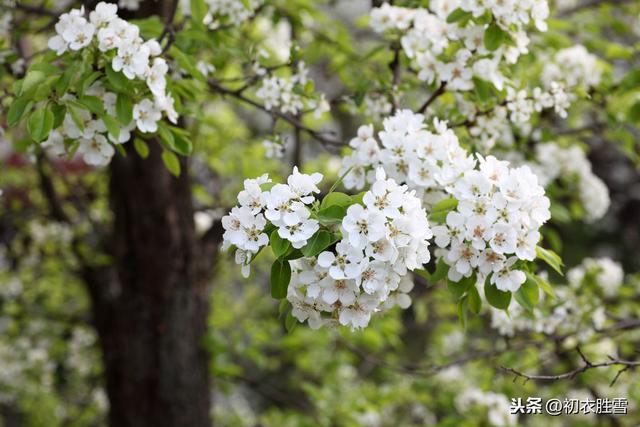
441	89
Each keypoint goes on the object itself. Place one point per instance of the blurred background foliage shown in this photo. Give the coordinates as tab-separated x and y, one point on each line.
412	367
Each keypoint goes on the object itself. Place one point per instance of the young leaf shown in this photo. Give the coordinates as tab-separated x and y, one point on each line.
93	104
458	289
551	258
494	36
497	298
482	89
336	199
458	15
112	125
31	81
440	272
331	215
141	148
198	10
280	277
463	311
542	283
290	322
475	303
124	109
19	107
40	124
59	111
279	246
528	295
317	243
445	205
171	162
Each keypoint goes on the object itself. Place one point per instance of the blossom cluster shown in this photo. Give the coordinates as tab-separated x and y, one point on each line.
134	58
285	206
554	161
497	404
382	239
427	38
494	128
606	273
495	223
93	138
282	93
233	11
575	313
574	66
499	209
409	153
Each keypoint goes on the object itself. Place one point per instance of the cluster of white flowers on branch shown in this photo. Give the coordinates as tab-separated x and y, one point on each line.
571	165
456	41
291	94
382	240
339	261
497	404
576	312
496	210
135	58
286	206
409	153
225	11
574	66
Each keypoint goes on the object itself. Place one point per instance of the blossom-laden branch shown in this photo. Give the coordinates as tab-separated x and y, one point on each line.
239	95
587	365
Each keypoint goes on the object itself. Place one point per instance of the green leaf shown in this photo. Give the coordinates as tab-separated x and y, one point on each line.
331	215
280	277
112	125
457	289
463	311
551	258
458	15
475	303
497	298
124	109
290	322
187	63
198	10
542	283
279	246
184	145
93	104
440	272
19	107
141	148
438	217
40	124
336	199
633	115
445	205
494	36
166	137
317	243
528	295
87	80
482	89
31	81
62	85
75	116
118	80
171	162
59	111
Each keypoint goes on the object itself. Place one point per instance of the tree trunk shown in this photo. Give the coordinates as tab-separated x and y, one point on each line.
150	310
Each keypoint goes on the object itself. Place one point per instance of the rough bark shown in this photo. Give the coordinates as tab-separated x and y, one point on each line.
150	307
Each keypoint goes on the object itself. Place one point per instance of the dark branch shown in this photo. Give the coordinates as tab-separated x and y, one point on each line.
238	94
441	89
